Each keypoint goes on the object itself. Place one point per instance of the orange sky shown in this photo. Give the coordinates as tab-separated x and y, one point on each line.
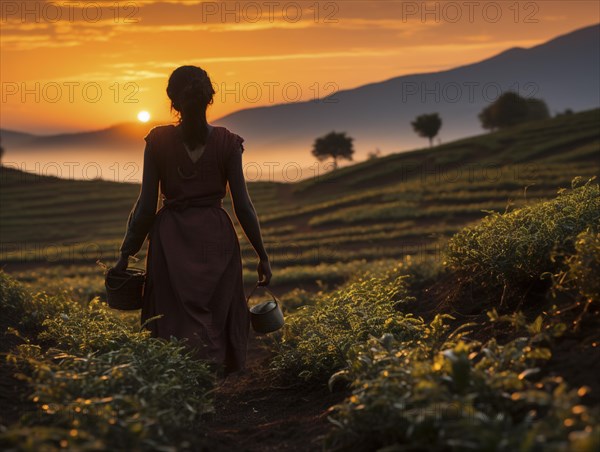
68	65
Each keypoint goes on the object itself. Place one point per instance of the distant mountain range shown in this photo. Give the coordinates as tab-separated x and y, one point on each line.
564	71
124	134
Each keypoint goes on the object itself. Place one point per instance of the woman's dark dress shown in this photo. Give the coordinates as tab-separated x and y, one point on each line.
194	268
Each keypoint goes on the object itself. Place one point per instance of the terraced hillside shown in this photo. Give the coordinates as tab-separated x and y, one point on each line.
320	230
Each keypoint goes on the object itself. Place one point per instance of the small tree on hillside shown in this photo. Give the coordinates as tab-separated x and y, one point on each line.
567	112
427	126
336	145
511	109
374	154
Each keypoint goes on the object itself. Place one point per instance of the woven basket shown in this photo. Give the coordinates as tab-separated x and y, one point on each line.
124	290
266	317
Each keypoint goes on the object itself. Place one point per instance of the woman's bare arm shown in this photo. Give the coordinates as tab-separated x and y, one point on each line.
242	205
246	214
142	215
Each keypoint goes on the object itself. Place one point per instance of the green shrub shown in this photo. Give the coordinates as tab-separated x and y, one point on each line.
147	394
92	328
317	338
583	270
26	311
578	281
296	298
459	394
510	251
99	383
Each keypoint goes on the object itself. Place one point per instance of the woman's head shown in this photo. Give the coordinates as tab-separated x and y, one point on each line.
191	92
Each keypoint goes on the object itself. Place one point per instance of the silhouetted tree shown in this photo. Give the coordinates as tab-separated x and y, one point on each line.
335	145
486	117
567	112
374	154
511	109
427	126
537	109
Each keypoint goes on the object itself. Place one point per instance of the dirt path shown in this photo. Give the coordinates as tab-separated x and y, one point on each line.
255	413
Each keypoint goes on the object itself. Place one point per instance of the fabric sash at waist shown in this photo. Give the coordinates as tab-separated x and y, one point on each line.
183	204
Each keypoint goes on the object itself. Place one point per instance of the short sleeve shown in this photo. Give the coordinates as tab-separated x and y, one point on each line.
149	136
239	142
235	149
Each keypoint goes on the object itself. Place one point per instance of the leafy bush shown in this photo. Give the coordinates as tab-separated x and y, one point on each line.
510	250
98	382
511	109
583	267
93	328
297	297
146	394
459	394
26	311
317	338
578	281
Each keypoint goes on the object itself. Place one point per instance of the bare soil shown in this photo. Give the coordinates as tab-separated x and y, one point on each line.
255	412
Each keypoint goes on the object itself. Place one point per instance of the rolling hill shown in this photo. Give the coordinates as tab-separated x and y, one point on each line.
324	228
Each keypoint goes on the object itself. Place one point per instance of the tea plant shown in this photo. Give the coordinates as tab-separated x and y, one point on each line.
505	252
25	311
424	385
98	382
583	268
578	280
459	394
317	338
145	395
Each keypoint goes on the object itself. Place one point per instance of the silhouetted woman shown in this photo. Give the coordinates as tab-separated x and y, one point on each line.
194	267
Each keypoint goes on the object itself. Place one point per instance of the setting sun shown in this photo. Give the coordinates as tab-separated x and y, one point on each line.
143	116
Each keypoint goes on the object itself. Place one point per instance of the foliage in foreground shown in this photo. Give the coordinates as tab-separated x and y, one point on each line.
97	382
460	394
419	385
583	269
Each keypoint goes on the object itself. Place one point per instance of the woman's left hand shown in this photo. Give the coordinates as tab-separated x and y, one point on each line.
121	264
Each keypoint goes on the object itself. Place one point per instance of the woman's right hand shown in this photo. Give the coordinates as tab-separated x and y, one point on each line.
121	264
264	272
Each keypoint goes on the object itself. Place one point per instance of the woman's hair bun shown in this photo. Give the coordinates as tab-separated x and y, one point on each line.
198	90
191	92
190	87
